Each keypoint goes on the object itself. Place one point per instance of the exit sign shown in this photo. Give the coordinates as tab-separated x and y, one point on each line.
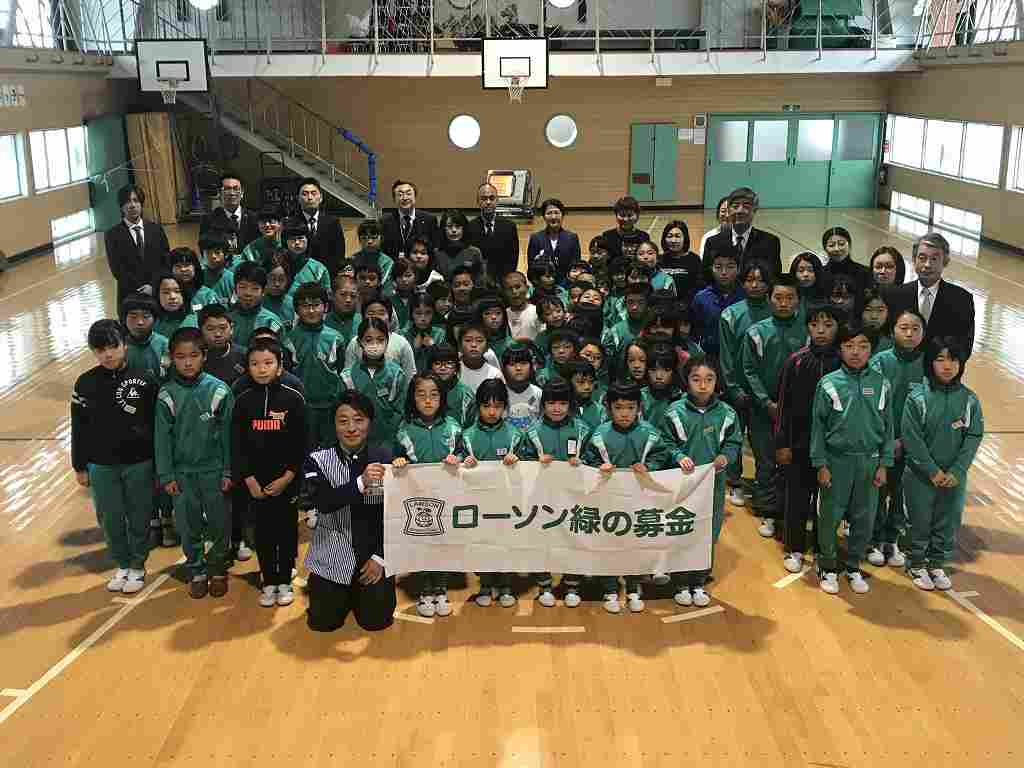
790	107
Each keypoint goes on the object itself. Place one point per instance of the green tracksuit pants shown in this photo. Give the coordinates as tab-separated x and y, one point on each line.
852	495
123	496
201	515
320	432
935	517
692	579
762	443
891	520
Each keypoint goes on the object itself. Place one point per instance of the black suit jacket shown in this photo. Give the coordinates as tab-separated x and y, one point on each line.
566	252
500	249
128	270
423	225
247	230
952	310
760	245
328	244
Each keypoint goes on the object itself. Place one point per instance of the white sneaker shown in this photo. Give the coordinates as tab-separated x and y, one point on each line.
896	559
636	605
844	529
611	602
117	581
829	582
793	562
135	581
940	579
875	556
921	579
572	599
683	597
767	527
661	579
700	597
285	595
425	607
311	518
243	553
485	598
546	598
268	597
441	605
507	599
736	497
857	583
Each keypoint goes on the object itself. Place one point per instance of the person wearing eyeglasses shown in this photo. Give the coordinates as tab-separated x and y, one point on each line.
398	229
231	215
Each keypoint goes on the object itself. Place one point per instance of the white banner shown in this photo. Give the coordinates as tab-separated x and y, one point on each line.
559	518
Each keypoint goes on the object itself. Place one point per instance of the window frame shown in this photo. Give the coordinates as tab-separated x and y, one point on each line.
20	163
891	138
1015	161
38	188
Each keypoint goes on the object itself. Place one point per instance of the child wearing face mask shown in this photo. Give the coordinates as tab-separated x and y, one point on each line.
382	381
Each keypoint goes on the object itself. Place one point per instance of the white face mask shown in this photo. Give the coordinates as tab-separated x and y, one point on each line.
374	350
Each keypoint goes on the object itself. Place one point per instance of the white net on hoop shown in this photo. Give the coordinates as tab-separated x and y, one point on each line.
169	90
516	88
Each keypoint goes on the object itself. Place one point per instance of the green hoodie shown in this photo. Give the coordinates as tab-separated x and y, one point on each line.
766	347
386	388
491	442
562	441
423	443
903	368
942	429
702	433
640	444
732	325
193	427
852	414
316	352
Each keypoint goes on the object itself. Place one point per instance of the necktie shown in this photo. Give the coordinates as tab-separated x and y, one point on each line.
234	221
406	226
140	244
926	305
312	225
489	228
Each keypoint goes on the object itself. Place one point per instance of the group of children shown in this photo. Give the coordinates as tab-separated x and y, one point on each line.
225	380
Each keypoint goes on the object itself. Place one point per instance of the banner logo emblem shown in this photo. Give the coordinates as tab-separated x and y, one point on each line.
423	517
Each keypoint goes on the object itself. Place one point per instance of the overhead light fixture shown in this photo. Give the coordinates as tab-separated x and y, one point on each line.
562	3
203	5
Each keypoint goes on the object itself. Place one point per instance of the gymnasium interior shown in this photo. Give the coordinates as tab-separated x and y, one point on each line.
890	118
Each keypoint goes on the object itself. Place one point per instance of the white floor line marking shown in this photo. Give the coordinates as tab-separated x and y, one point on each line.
79	649
549	630
785	581
122	600
693	614
960	598
414	619
14	692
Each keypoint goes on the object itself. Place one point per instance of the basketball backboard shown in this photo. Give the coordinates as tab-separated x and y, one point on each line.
525	58
184	61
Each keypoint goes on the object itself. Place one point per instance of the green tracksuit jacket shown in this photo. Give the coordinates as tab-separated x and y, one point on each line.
347	327
655	404
766	347
282	306
167	323
461	404
732	325
423	443
245	321
150	355
309	270
193	427
222	285
903	369
562	441
259	250
491	442
422	352
386	387
385	262
316	352
640	444
593	411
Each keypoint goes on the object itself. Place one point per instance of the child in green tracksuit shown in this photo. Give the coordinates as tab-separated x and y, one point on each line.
766	346
588	397
381	380
248	313
147	349
701	429
276	298
492	438
852	449
172	309
315	350
942	429
304	269
626	441
217	275
193	460
661	390
112	450
902	365
443	362
558	435
421	333
343	316
428	435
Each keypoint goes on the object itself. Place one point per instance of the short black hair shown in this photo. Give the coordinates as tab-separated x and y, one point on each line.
438	289
836	232
455	215
697	361
310	180
311	291
211	311
642	289
187	335
850	330
375	324
580	367
954	345
357	401
251	272
824	308
231	175
400	182
490	391
410	395
442	353
627	204
558	390
463	269
367	264
662	355
621	390
563	334
183	255
516	353
139	301
598	242
265	345
125	192
105	333
756	264
376	297
552	202
368	228
786	280
214	239
727	253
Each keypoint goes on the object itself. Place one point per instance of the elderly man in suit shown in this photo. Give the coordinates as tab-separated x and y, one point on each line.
948	309
406	222
326	240
495	236
231	216
136	249
558	245
741	237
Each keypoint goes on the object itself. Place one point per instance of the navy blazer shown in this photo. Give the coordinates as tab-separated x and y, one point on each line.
565	253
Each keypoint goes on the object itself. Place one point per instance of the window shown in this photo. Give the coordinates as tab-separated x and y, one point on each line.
72	225
13	183
915	216
1015	167
956	219
914	206
464	131
58	157
968	151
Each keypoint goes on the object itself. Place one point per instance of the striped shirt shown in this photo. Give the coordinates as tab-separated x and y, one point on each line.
331	553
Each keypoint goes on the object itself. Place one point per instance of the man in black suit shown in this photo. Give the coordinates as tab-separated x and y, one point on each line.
948	309
136	249
407	222
326	240
346	557
739	236
230	215
496	237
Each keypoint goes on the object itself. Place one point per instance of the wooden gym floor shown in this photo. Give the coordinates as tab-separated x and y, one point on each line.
775	674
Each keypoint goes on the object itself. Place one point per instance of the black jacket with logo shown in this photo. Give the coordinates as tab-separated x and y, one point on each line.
268	434
112	417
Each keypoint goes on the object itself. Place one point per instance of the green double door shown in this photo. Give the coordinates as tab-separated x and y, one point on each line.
805	161
653	156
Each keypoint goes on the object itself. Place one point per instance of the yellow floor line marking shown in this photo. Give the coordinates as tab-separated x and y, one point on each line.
13	692
961	599
412	618
693	614
548	630
785	581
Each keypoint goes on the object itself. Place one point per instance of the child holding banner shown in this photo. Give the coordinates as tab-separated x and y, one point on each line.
701	429
428	435
627	441
492	438
557	436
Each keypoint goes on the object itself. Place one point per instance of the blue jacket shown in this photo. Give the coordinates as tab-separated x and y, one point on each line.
708	305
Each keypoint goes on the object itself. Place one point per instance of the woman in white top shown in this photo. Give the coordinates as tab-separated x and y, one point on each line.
723	216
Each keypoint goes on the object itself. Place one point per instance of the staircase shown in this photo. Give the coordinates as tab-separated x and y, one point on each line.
271	121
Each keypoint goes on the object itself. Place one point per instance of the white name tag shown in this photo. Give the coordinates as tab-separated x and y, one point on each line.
868	391
500	451
571	447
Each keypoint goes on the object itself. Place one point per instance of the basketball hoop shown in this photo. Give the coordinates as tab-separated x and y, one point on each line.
516	87
169	90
